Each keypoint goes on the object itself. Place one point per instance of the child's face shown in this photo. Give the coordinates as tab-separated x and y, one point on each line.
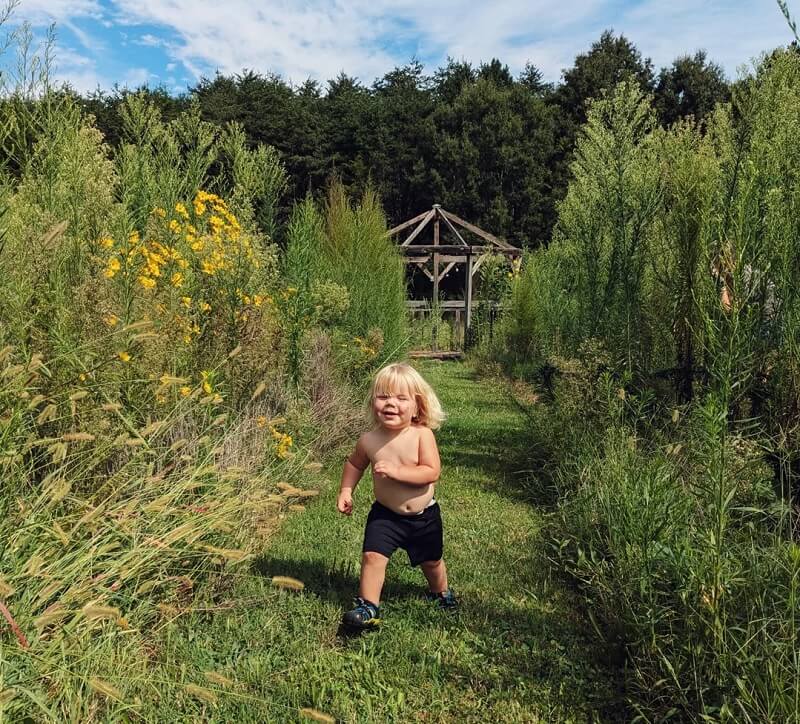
394	409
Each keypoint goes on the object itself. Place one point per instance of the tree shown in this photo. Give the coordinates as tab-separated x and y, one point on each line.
493	144
532	79
609	61
449	80
400	140
692	86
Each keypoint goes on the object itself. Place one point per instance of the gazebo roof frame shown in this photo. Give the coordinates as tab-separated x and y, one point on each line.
449	254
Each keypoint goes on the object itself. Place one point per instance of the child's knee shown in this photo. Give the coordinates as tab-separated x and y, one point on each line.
432	565
373	558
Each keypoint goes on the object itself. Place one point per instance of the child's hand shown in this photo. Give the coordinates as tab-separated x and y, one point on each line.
345	502
386	469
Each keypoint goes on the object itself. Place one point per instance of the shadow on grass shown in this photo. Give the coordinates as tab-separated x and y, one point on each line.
332	580
509	456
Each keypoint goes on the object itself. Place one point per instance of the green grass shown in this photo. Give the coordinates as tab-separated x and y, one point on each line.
517	652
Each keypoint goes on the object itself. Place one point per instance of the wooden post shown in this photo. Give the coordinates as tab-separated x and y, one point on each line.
436	278
468	299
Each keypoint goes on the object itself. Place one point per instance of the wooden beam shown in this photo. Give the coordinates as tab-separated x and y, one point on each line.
477	231
427	354
446	269
406	224
446	258
468	298
453	228
424	269
478	263
413	235
457	249
445	305
435	329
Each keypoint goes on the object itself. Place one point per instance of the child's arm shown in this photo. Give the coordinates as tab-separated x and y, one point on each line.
354	468
425	472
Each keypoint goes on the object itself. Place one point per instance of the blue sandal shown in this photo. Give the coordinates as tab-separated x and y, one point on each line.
447	601
365	615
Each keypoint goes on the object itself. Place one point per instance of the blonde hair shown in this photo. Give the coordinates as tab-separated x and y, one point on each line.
399	375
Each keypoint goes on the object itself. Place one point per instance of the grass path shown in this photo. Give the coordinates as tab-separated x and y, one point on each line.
517	652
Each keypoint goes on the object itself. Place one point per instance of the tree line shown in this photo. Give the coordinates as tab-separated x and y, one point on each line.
491	147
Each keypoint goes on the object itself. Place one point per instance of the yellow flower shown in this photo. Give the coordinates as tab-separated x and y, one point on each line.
124	356
208	268
205	307
113	267
158	211
197	245
261	421
181	209
186	391
111	320
133	237
207	388
174	226
186	301
107	242
199	207
147	282
177	279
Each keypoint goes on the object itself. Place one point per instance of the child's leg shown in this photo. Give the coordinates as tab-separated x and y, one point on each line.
436	575
373	574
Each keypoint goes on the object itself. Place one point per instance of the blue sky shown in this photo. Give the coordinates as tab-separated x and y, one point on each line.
175	42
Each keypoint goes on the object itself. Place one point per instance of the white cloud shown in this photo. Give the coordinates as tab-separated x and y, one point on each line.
150	40
78	71
136	77
39	11
366	38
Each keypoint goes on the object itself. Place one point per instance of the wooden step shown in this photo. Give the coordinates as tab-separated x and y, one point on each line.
430	354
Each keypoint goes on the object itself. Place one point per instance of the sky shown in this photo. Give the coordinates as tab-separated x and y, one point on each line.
174	43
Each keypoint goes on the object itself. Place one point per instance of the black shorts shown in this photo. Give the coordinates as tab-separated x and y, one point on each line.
420	535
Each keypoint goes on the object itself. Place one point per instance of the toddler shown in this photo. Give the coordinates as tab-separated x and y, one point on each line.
405	463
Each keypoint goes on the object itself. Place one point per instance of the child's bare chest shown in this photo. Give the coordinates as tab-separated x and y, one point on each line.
402	449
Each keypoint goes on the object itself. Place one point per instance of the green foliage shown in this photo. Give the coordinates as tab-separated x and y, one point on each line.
673	499
606	218
346	274
159	163
257	178
692	86
360	256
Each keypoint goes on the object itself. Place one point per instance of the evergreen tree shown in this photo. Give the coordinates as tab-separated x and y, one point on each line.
692	86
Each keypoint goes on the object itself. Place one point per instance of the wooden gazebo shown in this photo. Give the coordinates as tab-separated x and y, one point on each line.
436	259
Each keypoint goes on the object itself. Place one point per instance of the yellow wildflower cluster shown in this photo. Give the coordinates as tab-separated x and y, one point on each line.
365	348
283	441
147	261
214	236
255	300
